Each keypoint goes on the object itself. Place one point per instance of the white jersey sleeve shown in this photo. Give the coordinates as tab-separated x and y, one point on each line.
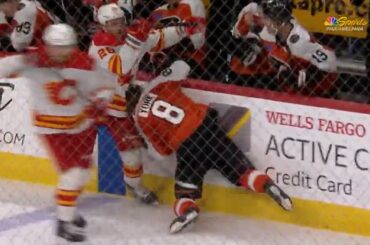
302	46
93	84
164	38
25	18
238	30
12	64
31	19
197	10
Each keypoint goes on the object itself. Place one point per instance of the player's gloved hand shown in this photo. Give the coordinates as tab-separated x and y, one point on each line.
296	80
252	49
132	95
192	25
139	30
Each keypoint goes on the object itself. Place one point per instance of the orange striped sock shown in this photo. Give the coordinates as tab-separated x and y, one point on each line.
183	204
254	180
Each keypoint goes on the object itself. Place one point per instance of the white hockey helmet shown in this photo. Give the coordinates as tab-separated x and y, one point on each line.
109	12
60	35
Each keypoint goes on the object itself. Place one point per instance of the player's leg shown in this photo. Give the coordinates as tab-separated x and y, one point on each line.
193	164
72	156
238	169
130	146
133	172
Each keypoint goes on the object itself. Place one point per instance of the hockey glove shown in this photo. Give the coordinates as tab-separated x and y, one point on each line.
133	94
248	50
138	32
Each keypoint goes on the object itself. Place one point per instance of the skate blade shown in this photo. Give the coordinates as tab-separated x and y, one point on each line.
281	198
62	241
180	225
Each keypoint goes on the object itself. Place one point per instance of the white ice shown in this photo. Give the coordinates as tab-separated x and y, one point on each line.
27	217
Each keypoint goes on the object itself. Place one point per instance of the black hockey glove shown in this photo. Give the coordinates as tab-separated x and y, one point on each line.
133	94
248	50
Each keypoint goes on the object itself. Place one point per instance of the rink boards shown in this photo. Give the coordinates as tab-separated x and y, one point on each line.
317	150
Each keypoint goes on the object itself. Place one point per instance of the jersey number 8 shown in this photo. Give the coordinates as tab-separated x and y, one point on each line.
168	112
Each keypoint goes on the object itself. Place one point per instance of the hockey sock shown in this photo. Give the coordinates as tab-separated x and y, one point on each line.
66	201
183	204
254	180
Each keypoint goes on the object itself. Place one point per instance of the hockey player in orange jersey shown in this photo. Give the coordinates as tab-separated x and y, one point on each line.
304	65
29	20
273	44
119	49
66	89
191	48
171	122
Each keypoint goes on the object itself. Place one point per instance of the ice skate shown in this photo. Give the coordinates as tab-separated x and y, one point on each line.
181	222
279	196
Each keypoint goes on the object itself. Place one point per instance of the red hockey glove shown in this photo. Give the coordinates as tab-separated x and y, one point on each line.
139	30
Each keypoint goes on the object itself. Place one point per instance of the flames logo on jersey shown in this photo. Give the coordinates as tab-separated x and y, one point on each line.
61	92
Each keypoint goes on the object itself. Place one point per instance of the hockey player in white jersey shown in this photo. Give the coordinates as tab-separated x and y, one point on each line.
304	65
272	42
119	49
66	90
29	20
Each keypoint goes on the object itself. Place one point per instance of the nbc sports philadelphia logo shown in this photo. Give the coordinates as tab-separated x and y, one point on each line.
344	23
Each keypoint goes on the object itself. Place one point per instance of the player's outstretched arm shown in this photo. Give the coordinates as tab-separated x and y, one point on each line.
12	64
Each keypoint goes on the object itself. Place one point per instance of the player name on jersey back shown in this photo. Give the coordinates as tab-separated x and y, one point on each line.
147	104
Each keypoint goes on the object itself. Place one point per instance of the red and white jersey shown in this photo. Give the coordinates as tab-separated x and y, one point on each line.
122	57
299	52
30	21
250	18
184	9
165	115
60	93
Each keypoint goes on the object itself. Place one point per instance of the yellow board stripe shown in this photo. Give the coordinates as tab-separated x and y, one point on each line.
35	170
234	130
216	198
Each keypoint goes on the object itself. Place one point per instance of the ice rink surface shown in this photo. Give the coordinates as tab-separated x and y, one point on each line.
27	217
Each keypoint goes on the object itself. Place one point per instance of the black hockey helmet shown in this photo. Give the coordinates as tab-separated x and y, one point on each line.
277	10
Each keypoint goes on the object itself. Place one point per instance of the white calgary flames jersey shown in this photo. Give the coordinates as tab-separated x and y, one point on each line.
60	94
122	57
30	21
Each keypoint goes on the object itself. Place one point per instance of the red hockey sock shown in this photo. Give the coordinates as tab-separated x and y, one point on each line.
183	204
254	180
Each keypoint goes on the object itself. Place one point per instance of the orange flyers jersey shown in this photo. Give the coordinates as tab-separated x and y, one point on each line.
248	19
165	115
163	16
30	21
